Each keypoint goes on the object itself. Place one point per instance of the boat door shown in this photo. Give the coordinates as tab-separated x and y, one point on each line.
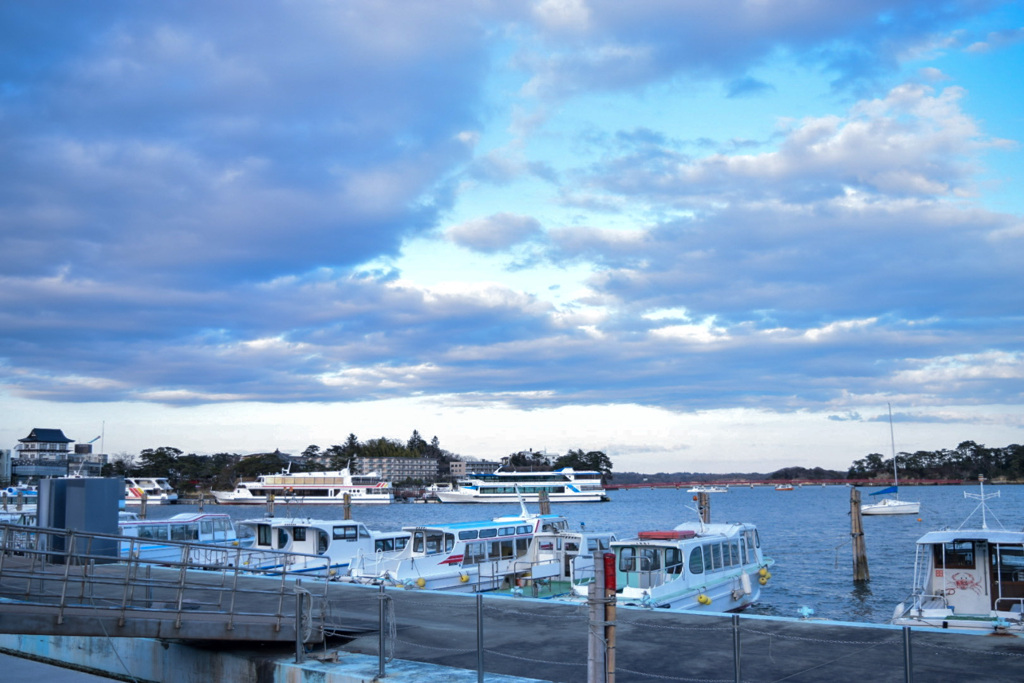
1007	563
960	568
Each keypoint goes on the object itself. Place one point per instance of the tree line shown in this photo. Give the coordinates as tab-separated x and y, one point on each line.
966	461
222	470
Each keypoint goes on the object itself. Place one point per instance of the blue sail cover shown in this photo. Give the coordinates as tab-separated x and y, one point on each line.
891	489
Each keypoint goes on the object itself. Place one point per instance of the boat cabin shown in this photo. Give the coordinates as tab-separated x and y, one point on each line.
655	558
975	572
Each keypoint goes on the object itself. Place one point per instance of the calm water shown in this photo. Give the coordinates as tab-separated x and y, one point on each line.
806	532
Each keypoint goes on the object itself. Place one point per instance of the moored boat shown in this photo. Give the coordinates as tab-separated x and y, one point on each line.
147	538
968	578
783	487
562	486
694	566
891	506
467	556
316	546
708	489
310	488
156	491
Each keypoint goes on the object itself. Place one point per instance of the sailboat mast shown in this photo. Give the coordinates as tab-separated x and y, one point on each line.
892	441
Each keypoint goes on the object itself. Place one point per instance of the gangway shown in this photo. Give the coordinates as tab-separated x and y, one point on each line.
68	582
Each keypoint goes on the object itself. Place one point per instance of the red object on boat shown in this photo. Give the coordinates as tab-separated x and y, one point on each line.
666	535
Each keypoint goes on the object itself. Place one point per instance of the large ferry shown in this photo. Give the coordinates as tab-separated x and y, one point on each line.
562	486
310	488
156	491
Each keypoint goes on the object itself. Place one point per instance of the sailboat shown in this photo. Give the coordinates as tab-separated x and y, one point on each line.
891	506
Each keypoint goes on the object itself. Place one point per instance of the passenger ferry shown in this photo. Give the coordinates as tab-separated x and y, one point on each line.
157	491
324	548
147	539
467	556
968	578
562	486
311	488
697	566
708	489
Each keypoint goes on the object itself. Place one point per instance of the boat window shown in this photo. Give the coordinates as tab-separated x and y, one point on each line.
488	533
363	532
737	558
709	565
494	550
282	538
757	539
449	542
467	535
344	533
321	542
522	546
627	559
263	534
716	552
696	561
744	551
572	547
475	553
300	533
434	540
673	561
1008	562
649	559
955	555
206	527
400	543
507	531
184	532
384	545
508	550
524	529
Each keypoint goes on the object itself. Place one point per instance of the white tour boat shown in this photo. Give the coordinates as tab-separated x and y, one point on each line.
467	556
156	490
314	546
147	538
891	506
561	486
708	489
310	488
968	578
695	566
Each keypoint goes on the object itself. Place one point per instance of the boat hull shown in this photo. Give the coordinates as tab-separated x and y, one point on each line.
459	497
233	499
890	507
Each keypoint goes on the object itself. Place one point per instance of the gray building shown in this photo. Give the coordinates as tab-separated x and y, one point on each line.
399	469
48	452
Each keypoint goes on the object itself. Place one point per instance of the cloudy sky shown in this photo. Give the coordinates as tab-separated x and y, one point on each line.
713	235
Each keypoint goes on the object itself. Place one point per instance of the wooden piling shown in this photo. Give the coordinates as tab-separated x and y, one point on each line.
860	554
545	503
348	506
704	505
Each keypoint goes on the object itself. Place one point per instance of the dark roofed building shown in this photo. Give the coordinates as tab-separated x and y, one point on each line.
44	443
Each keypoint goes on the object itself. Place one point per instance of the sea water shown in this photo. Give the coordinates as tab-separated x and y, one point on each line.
806	531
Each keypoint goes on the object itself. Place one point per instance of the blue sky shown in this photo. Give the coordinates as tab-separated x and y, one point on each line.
704	236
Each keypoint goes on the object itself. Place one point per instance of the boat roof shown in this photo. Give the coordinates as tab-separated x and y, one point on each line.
179	518
988	535
484	524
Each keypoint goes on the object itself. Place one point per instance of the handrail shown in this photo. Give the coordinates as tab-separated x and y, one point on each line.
41	566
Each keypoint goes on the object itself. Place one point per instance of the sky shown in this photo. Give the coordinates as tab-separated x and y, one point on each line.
707	236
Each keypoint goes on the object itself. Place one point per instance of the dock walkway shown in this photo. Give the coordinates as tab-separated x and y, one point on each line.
521	637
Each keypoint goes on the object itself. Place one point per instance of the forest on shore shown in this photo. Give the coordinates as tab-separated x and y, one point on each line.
222	470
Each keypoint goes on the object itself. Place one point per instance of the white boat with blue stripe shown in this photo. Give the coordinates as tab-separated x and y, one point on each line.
561	486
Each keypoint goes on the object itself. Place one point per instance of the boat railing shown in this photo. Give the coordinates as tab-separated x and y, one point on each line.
1015	605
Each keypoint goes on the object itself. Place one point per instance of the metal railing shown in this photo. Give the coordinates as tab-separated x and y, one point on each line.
65	571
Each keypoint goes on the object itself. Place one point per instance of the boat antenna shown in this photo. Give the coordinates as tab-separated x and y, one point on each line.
982	497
